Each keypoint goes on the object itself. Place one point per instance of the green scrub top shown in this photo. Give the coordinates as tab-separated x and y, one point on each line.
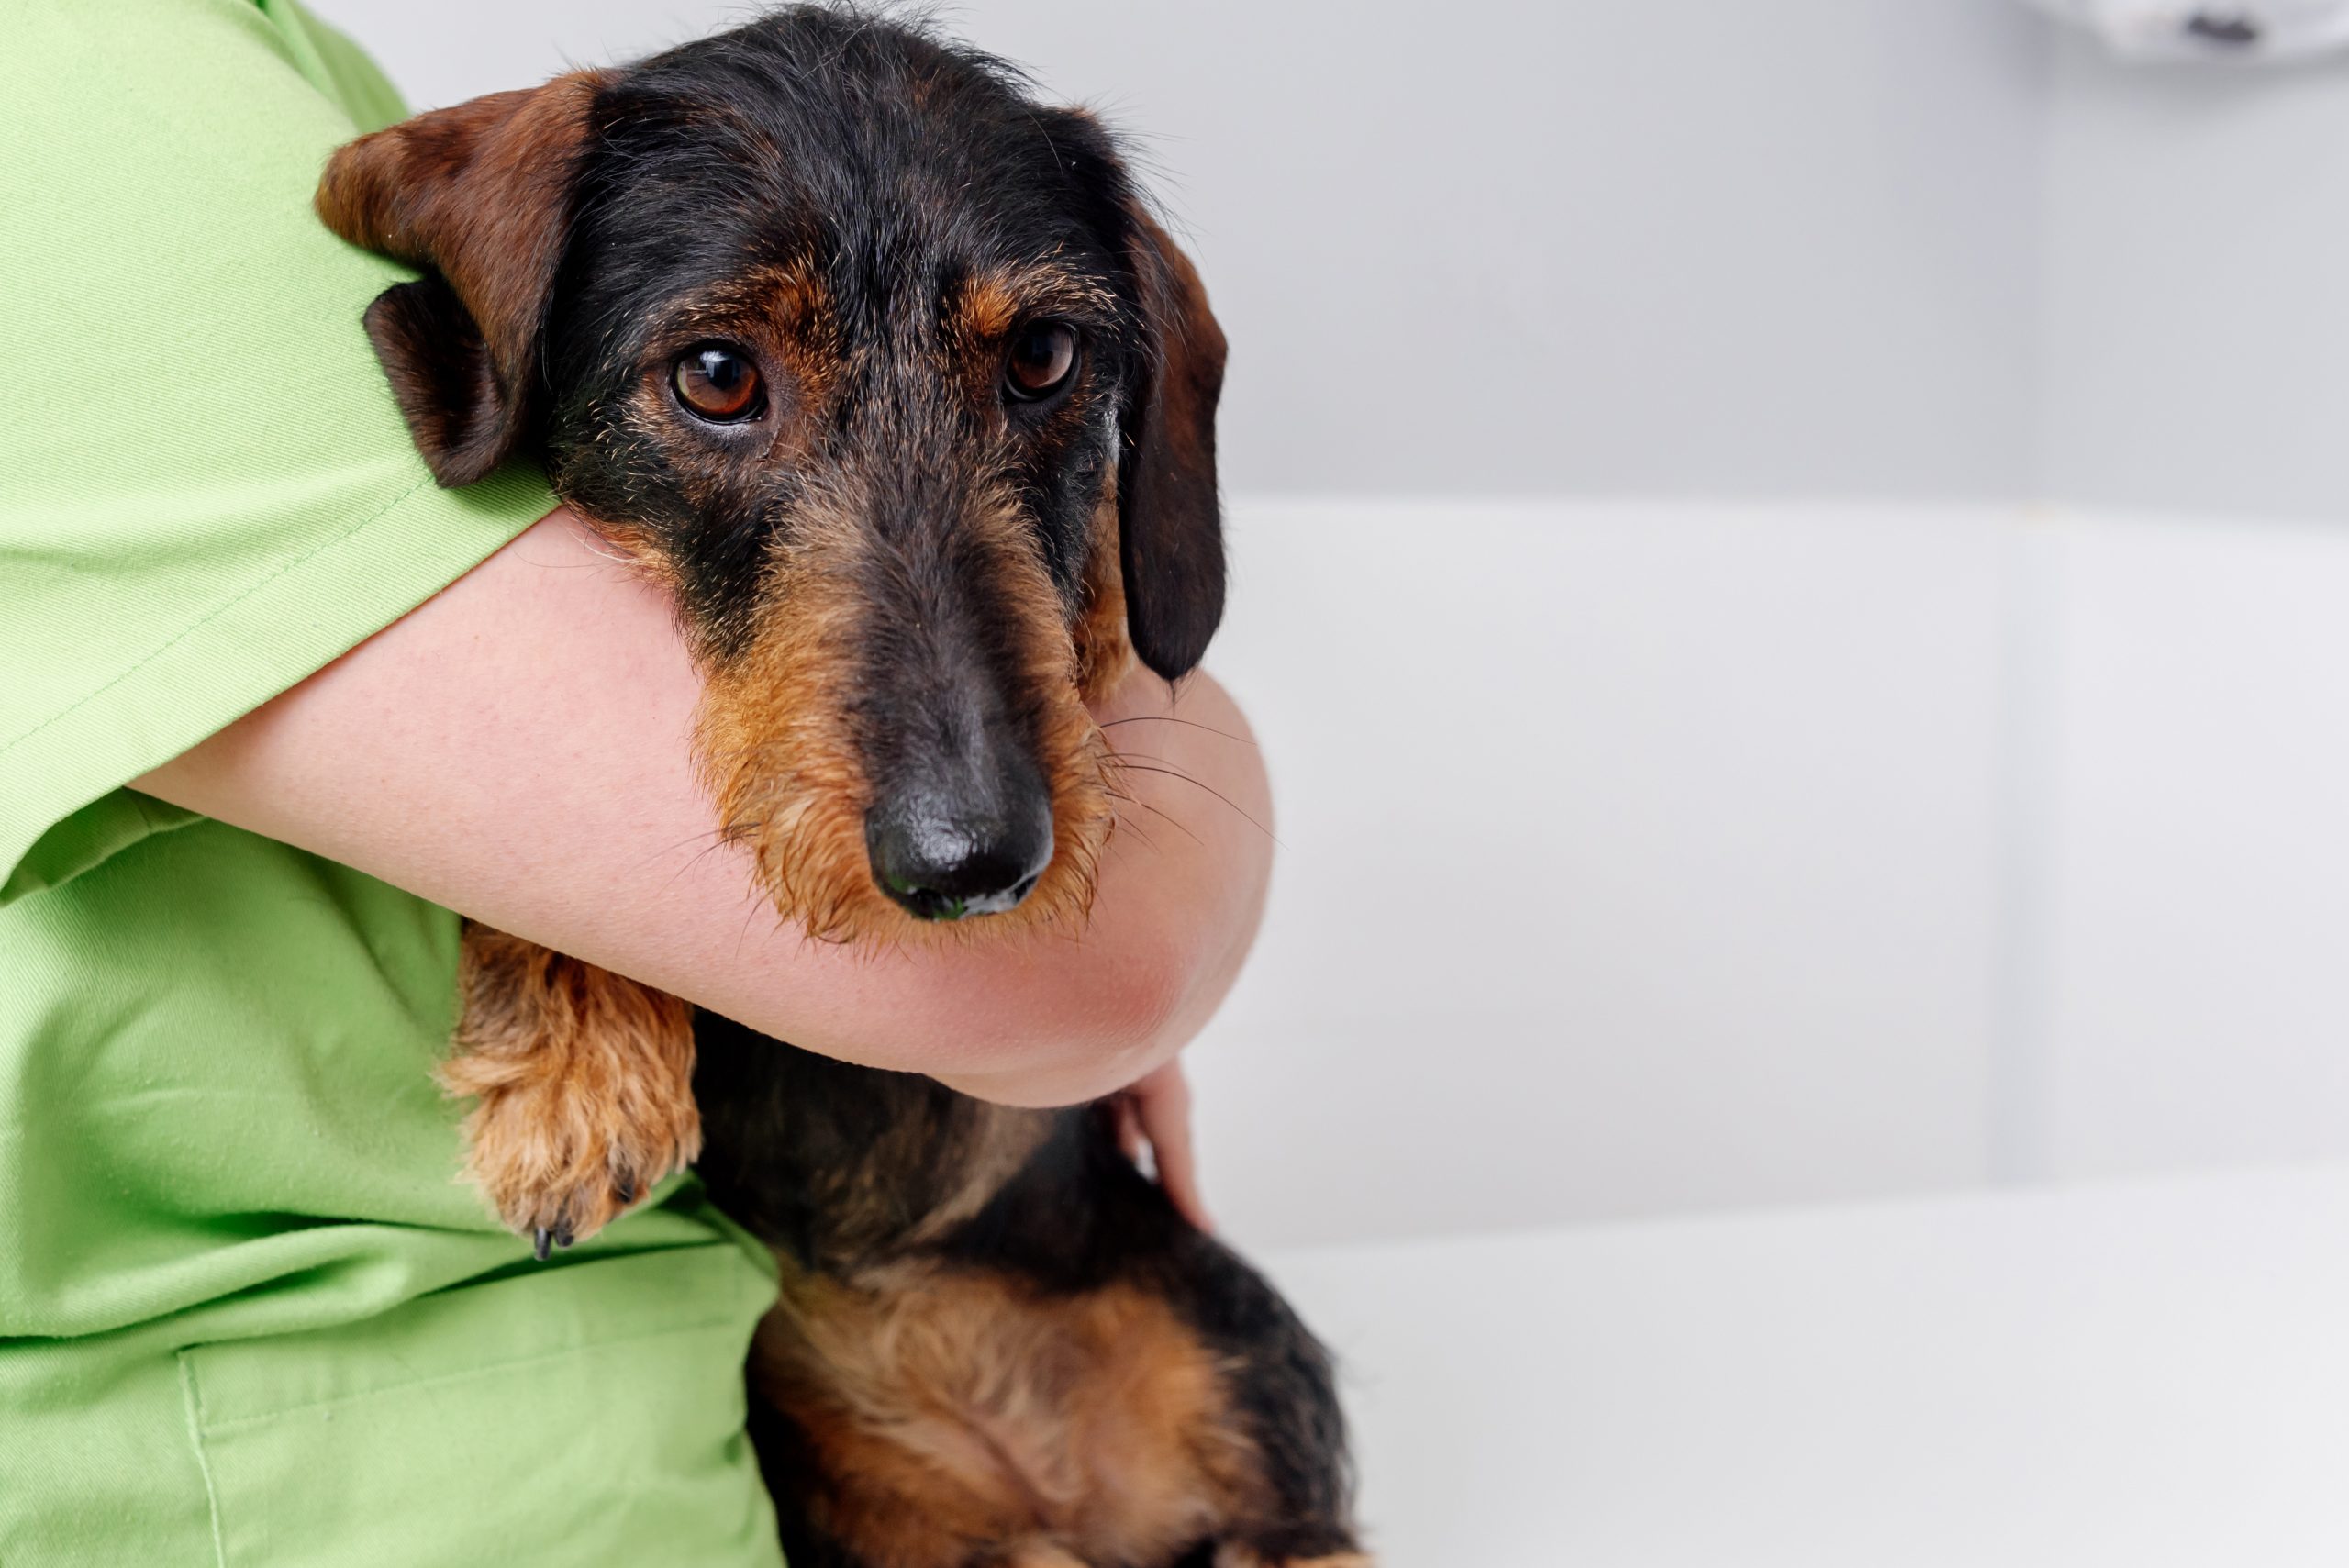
247	1315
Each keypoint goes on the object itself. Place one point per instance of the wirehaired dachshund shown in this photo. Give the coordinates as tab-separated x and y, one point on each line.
885	370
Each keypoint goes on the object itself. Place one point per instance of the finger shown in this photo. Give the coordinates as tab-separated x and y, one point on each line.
1164	1109
1129	1117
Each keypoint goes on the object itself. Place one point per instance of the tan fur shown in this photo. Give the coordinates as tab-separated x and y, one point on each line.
957	1408
1041	1556
778	756
1104	654
992	303
584	1083
1242	1557
774	747
989	308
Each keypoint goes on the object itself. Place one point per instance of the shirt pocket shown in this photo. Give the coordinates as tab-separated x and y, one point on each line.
581	1414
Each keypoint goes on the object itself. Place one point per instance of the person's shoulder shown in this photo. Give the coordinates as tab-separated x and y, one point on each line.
351	77
215	494
274	63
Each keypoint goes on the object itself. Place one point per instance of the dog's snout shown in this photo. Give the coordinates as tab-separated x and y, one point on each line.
948	853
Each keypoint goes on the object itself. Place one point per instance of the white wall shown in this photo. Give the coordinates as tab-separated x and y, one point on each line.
1676	246
2198	878
1642	856
1634	856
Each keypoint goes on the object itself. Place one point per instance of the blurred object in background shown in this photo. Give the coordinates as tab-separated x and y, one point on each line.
2180	30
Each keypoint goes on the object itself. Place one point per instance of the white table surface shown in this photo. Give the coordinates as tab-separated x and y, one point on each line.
2140	1375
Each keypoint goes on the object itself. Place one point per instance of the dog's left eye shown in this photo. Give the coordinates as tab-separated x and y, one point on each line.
719	383
1042	358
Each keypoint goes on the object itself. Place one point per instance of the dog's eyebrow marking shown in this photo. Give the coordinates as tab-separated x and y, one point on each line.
791	297
989	303
990	309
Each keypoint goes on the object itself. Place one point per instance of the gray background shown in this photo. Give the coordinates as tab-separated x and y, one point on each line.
2195	319
1681	246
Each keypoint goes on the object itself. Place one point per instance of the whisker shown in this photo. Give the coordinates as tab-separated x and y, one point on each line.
1128	797
1174	773
1170	718
714	834
715	839
725	838
1171	820
751	914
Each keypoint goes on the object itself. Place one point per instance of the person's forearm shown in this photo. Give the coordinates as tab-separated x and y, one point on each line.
517	751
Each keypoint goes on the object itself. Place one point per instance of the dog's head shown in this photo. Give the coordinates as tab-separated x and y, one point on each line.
887	370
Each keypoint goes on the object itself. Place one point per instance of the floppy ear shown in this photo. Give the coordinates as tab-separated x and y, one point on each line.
1170	524
479	196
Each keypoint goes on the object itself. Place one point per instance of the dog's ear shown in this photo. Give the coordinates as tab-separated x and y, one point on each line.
479	196
1170	523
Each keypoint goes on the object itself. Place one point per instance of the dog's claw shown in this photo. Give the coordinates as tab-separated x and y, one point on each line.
562	1230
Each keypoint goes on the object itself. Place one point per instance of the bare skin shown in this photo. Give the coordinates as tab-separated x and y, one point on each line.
516	750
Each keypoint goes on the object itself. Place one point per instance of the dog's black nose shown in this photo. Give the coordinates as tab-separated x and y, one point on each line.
944	858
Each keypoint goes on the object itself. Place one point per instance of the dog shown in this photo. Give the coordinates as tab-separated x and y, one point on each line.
885	372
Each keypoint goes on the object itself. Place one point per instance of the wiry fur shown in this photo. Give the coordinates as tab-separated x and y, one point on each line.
995	1336
778	738
996	1345
966	1408
582	1085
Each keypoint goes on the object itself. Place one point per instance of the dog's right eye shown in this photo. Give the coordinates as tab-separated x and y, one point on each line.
718	383
1042	359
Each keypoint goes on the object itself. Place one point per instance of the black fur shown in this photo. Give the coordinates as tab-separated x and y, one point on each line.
835	1164
892	163
441	376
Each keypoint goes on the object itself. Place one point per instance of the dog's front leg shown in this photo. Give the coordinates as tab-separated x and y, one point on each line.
584	1084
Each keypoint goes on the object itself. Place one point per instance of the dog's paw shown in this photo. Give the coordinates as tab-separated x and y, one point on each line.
582	1083
1042	1555
559	1157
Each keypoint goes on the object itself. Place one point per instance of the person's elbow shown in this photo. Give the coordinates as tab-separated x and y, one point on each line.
1096	1024
1174	918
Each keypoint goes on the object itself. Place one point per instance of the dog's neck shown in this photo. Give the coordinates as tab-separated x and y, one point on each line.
844	1167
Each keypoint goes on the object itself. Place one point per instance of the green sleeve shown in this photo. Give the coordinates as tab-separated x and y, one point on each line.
344	72
206	490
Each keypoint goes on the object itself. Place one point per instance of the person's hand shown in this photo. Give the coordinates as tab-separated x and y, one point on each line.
1156	1112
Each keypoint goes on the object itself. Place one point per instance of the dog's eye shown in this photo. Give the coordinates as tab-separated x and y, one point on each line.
719	383
1042	358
